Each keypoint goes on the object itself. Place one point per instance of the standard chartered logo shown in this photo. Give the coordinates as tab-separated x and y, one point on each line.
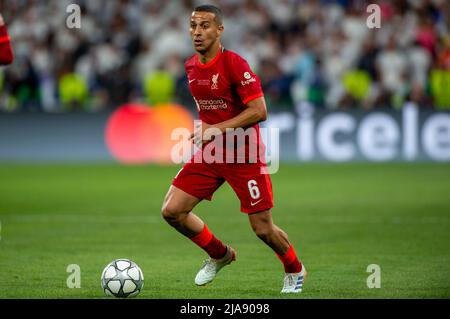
218	104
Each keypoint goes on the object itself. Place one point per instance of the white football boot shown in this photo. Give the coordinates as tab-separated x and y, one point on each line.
212	266
293	282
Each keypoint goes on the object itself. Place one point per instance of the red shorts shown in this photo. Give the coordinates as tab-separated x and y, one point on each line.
253	188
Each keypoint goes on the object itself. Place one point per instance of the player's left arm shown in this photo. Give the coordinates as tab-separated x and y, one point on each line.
255	112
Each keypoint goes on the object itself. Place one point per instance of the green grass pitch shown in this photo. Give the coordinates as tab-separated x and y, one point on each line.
340	218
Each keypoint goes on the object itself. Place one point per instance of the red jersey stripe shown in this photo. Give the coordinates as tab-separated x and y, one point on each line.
4	39
253	97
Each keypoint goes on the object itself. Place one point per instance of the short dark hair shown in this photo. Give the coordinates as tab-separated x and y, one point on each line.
213	9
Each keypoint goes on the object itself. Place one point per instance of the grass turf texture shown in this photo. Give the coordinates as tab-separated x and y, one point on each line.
341	218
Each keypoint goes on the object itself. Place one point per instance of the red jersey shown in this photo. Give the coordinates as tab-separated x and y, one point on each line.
6	53
221	89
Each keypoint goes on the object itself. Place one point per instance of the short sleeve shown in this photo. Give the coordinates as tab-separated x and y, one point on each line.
247	83
6	53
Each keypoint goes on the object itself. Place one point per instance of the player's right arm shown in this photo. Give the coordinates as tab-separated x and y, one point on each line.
255	112
6	52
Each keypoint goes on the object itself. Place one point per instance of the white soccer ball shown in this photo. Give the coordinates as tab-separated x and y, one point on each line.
122	278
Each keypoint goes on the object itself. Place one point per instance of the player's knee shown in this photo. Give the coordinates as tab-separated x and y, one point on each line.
262	226
263	231
172	212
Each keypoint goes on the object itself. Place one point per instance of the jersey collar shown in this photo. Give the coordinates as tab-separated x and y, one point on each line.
210	63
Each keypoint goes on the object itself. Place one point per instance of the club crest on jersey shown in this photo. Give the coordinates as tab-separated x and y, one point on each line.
215	80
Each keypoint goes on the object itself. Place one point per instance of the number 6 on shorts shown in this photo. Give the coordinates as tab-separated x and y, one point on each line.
253	189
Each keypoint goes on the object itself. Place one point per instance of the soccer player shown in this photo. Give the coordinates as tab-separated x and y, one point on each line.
6	53
228	96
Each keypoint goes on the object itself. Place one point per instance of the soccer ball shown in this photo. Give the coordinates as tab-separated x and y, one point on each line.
122	278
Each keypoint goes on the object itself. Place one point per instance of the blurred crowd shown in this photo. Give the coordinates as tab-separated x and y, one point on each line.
319	52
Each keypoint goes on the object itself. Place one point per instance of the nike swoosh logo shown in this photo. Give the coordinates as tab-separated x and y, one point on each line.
253	204
190	81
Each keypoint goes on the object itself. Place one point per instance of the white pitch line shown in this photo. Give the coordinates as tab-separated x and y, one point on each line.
131	219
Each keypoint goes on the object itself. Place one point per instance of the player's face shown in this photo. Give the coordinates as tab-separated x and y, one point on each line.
204	31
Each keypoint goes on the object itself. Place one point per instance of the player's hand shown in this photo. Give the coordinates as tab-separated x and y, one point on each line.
2	22
203	134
